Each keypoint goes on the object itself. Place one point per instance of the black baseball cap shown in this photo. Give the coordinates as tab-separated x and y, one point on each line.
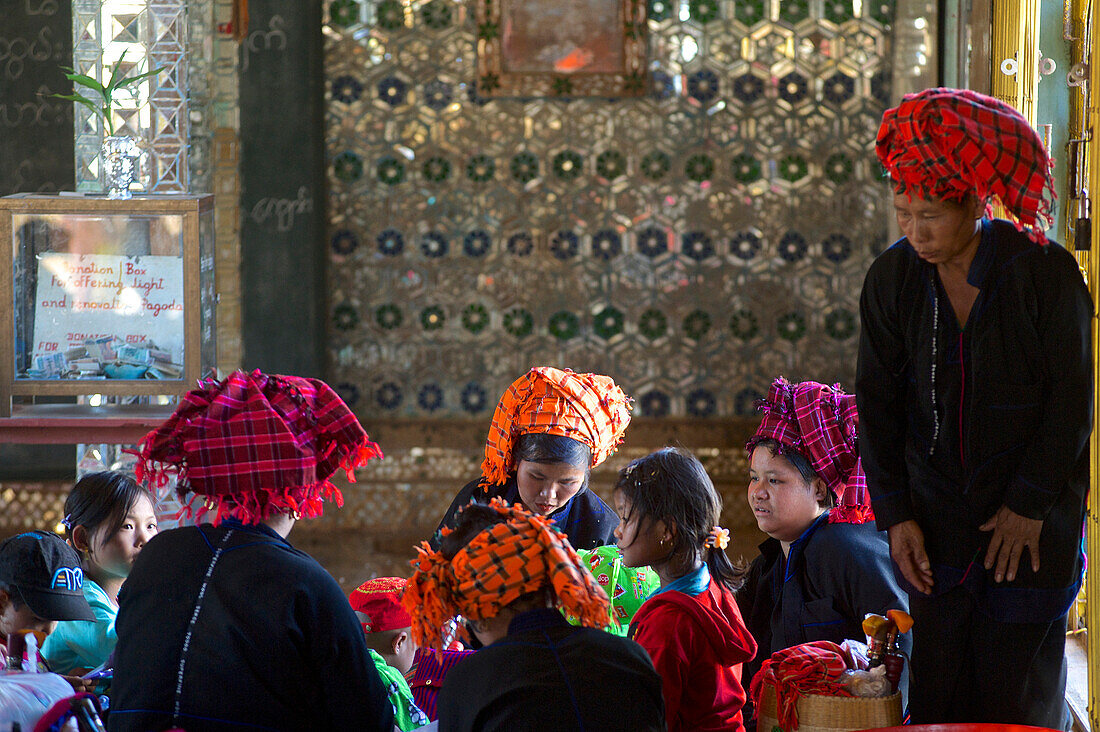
46	573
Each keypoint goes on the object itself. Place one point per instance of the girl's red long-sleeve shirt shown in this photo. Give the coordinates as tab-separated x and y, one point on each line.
697	645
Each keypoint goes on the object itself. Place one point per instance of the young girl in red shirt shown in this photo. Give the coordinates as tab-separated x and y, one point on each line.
690	626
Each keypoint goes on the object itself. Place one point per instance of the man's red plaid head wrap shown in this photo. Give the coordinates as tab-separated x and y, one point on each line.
588	408
522	554
949	143
820	423
255	445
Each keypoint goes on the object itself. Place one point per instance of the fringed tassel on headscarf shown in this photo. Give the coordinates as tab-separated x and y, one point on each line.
253	508
156	474
358	458
851	515
428	598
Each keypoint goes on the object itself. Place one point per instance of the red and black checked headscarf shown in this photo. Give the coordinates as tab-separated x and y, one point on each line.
519	555
588	408
255	445
820	423
948	143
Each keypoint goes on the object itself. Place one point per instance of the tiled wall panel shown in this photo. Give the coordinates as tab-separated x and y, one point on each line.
693	243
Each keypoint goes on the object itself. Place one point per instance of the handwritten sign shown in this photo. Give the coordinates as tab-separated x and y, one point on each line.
90	296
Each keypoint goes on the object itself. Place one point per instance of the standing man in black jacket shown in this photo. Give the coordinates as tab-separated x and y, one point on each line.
974	390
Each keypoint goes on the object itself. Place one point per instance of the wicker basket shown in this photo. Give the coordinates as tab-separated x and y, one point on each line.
832	713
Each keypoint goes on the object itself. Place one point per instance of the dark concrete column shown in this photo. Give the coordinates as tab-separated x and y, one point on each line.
283	189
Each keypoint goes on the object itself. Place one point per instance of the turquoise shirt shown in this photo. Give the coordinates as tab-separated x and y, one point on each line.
84	644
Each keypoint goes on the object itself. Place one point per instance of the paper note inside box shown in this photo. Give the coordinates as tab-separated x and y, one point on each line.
93	310
103	349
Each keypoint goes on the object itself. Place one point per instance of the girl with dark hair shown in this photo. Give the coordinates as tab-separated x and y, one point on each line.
691	625
824	565
108	519
549	430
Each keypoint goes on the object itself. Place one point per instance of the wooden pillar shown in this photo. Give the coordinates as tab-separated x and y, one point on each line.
1091	265
1016	40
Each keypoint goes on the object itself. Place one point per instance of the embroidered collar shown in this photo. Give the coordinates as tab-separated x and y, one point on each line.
799	544
983	258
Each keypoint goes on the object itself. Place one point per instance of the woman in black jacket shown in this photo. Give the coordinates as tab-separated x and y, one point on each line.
549	430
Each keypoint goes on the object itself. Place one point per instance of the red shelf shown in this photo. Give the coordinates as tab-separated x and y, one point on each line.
66	424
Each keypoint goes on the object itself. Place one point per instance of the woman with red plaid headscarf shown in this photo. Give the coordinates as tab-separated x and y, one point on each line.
549	430
824	565
226	625
974	387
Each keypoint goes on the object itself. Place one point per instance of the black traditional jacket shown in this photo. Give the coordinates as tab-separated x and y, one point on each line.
955	422
549	675
274	643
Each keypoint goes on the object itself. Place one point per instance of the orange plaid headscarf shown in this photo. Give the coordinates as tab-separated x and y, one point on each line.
506	560
589	408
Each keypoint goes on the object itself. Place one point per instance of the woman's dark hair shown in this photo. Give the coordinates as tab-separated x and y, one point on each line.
472	520
799	462
540	447
672	486
101	500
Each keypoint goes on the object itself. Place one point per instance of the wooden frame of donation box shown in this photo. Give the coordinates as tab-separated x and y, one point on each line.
101	296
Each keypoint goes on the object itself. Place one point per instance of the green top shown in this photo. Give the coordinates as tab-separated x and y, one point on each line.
627	587
406	715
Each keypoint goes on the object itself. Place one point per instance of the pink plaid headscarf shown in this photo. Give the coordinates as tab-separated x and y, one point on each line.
820	423
256	444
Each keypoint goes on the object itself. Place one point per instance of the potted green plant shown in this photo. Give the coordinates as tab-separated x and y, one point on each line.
120	152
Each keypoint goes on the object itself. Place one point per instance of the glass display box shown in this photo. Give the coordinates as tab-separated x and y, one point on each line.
111	297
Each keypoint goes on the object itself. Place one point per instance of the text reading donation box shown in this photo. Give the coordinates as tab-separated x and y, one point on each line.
112	297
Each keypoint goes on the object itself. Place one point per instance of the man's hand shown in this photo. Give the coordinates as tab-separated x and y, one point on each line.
907	549
1011	533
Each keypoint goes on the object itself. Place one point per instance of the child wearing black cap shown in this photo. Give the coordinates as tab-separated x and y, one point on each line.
41	582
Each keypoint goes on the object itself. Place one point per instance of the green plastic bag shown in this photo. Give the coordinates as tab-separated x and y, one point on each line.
628	587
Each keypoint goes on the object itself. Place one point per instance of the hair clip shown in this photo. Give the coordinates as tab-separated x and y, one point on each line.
67	522
718	538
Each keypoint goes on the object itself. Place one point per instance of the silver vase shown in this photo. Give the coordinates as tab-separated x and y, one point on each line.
120	158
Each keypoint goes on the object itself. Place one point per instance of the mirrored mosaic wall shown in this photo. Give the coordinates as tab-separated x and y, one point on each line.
693	243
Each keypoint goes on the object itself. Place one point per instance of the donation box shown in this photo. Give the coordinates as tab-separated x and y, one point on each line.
112	297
